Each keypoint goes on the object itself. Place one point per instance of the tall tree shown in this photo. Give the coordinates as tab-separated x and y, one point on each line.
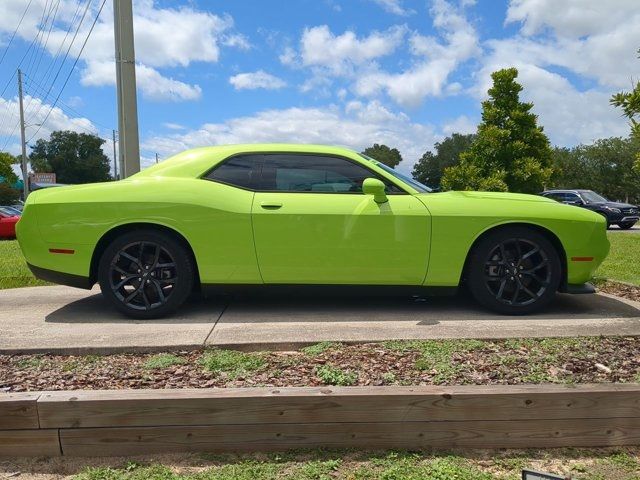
510	152
74	157
430	168
6	172
630	104
384	154
594	166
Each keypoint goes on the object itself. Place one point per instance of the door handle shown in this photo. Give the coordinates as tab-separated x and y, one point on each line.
271	205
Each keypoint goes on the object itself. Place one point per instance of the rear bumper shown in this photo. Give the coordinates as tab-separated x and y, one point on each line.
61	278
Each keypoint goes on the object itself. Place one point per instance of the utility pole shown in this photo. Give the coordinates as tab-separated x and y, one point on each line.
156	157
129	151
25	173
115	157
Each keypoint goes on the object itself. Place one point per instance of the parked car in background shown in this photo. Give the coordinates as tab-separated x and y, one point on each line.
624	215
8	220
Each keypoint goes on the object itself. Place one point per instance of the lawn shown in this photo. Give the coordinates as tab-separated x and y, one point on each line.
580	464
13	269
623	263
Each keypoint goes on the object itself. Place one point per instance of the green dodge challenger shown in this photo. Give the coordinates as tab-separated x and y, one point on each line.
303	215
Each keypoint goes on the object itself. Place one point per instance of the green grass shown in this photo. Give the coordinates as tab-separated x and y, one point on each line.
231	363
318	348
623	262
163	360
14	272
336	376
580	464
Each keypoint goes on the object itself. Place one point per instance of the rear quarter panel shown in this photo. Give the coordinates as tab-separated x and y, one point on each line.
215	220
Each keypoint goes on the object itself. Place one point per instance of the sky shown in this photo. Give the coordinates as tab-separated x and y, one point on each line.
405	73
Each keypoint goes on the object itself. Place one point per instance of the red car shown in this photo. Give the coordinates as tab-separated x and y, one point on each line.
8	219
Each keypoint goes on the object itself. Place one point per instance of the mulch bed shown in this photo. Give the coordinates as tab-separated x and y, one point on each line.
624	290
439	362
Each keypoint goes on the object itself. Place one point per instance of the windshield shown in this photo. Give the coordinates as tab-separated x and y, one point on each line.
400	176
592	197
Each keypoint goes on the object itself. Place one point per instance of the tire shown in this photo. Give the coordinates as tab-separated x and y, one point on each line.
626	225
152	257
526	282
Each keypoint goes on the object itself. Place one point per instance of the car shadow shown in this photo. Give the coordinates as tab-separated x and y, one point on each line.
95	309
331	307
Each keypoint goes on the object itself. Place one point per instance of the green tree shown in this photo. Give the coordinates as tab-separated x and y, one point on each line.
430	168
73	157
629	102
510	152
384	154
8	195
594	166
6	160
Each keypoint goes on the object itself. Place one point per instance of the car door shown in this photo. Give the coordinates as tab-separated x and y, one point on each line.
313	225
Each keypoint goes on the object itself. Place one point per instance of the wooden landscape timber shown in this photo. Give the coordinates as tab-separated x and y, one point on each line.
128	422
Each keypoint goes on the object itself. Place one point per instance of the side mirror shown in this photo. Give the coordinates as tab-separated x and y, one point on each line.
373	186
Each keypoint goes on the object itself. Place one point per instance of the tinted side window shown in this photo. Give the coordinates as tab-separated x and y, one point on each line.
315	173
241	171
558	197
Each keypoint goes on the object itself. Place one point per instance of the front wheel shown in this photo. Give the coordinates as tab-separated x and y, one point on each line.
146	274
626	225
514	271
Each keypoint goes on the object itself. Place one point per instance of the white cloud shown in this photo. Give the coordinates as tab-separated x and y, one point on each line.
394	6
256	80
35	114
337	53
586	39
150	82
429	76
361	126
462	124
165	37
173	126
571	18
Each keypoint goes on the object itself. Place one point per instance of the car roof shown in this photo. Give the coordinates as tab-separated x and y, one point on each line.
196	161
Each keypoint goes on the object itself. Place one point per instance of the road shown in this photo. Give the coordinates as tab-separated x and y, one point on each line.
65	320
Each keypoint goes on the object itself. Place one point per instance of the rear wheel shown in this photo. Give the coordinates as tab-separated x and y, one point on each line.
626	225
146	274
514	271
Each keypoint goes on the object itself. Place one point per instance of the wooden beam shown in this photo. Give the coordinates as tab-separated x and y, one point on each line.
266	437
29	443
18	411
129	408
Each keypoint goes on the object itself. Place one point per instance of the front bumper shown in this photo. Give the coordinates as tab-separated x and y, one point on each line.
629	219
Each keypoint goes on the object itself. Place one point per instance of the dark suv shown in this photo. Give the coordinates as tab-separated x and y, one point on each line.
622	214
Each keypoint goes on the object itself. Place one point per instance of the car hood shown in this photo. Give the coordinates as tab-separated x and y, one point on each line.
612	204
511	197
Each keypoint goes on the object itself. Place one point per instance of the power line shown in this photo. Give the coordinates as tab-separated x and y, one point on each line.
46	42
6	49
55	78
72	68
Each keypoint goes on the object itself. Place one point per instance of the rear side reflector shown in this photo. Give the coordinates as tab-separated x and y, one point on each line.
62	250
582	259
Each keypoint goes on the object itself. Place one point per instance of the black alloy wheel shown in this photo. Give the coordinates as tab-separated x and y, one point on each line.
517	272
514	270
146	274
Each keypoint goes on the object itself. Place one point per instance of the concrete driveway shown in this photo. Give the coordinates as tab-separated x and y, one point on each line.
65	320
